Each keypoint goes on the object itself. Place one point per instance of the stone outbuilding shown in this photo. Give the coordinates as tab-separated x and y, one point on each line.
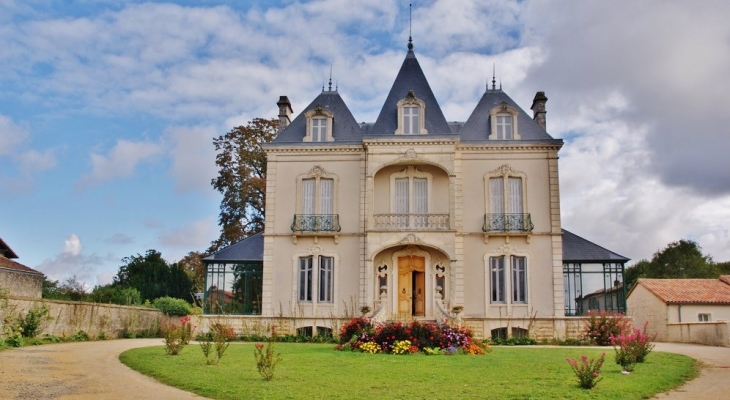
16	279
683	310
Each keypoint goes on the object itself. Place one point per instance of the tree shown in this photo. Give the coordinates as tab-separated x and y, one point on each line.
241	180
679	260
724	267
70	289
193	265
154	277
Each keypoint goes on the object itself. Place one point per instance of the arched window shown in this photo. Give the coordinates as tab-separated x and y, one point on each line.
411	116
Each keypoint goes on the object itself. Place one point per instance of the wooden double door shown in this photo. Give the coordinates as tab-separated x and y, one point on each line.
412	285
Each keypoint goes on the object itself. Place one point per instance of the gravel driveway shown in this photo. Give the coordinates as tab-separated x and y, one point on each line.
91	370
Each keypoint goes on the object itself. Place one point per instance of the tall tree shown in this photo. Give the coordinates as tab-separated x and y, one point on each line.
241	180
679	260
154	277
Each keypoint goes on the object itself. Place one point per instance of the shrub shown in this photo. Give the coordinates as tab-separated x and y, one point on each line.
369	347
602	325
125	296
80	336
266	360
177	336
402	347
631	347
172	306
35	320
218	337
355	328
588	371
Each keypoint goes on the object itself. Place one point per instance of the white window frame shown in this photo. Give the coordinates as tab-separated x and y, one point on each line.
704	317
503	110
507	253
519	279
505	172
316	254
411	173
411	101
318	113
497	284
318	174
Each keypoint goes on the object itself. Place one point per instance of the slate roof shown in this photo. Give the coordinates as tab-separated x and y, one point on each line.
577	249
478	126
688	291
249	249
410	77
345	128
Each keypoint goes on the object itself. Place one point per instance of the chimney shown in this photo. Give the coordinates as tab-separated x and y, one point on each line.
538	109
284	113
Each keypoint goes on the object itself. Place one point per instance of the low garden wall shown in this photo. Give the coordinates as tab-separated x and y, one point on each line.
715	333
106	320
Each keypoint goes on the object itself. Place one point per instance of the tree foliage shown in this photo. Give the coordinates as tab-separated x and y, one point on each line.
241	180
193	265
71	289
679	260
154	277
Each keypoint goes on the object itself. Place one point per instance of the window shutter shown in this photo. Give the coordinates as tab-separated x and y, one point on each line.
401	196
515	196
305	279
496	195
308	196
420	195
326	196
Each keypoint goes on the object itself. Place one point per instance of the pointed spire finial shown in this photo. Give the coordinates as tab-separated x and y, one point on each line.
330	84
410	27
494	73
500	83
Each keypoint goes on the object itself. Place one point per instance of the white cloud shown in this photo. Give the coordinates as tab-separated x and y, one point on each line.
11	136
121	161
73	262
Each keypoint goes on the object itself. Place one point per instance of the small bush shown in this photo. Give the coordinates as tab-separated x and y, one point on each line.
588	371
355	328
125	296
631	347
35	320
602	325
80	336
177	336
173	306
266	360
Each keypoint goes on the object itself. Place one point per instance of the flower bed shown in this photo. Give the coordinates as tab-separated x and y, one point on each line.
361	334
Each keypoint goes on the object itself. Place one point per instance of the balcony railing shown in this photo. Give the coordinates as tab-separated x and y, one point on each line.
316	223
412	222
507	223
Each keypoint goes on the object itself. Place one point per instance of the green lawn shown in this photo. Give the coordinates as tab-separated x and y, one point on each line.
313	371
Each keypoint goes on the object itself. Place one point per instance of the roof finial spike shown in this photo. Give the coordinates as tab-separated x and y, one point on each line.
410	27
330	84
494	73
500	83
336	86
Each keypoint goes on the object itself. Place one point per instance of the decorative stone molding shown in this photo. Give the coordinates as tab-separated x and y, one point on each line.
411	239
411	101
319	111
504	109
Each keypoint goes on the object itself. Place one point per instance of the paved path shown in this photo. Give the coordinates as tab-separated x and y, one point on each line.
714	380
86	370
91	370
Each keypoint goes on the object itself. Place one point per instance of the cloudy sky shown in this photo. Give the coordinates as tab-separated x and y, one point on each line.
108	109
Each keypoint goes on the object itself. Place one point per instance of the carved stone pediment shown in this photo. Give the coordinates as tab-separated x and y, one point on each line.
411	239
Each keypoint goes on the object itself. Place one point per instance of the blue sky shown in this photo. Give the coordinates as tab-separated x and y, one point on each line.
108	109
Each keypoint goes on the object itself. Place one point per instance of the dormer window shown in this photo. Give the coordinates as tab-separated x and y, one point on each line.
411	120
411	116
504	122
504	127
319	125
319	129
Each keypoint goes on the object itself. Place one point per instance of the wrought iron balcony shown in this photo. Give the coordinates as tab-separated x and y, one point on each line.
316	223
411	222
507	223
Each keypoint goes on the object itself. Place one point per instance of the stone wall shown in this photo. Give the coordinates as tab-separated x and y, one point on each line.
21	284
70	317
707	333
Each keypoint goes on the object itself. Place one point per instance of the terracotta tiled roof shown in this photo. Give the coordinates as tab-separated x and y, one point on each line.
16	266
688	291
